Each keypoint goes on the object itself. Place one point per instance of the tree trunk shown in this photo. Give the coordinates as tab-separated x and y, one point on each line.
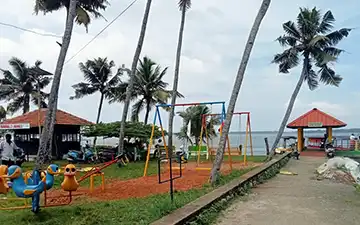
98	115
48	130
290	106
176	79
148	108
26	107
132	75
235	92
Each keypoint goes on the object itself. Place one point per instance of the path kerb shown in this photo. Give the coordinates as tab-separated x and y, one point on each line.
189	212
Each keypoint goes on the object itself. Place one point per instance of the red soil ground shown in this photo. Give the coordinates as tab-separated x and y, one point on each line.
145	186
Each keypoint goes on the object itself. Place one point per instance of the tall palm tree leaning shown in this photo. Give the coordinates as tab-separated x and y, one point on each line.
91	7
184	5
99	78
20	86
235	92
130	87
310	37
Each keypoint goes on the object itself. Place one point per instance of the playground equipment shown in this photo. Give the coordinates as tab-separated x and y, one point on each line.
239	149
33	185
157	116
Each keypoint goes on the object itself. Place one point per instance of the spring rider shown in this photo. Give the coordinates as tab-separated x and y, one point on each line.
33	186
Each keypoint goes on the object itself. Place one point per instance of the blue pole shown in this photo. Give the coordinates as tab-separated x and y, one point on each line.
189	104
156	112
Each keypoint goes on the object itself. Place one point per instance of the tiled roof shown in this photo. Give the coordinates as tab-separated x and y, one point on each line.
62	118
315	119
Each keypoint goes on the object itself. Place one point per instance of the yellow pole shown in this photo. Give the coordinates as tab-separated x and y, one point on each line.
246	142
200	141
329	131
229	151
149	145
300	144
250	135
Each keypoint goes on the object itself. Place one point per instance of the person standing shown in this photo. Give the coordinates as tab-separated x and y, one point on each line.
7	148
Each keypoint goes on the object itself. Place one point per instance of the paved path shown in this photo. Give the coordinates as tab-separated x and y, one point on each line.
296	200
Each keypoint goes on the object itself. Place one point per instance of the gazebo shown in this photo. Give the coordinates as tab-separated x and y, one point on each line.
66	132
314	119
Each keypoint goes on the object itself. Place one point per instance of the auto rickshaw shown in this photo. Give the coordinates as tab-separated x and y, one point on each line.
287	144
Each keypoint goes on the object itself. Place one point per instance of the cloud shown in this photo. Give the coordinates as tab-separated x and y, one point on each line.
214	38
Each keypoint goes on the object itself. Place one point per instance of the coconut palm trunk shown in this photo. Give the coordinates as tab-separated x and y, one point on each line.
98	114
235	92
48	130
148	109
290	106
26	104
176	78
130	87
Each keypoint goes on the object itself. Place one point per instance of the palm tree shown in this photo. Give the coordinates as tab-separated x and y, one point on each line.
184	5
45	146
149	88
84	9
237	85
130	87
310	37
2	114
98	76
193	115
72	11
21	86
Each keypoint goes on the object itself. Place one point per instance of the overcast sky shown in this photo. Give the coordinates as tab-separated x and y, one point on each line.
214	39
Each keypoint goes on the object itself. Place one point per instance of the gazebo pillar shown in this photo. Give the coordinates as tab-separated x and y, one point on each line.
329	133
300	142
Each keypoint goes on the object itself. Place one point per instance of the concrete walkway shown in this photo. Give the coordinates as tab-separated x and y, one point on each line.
296	200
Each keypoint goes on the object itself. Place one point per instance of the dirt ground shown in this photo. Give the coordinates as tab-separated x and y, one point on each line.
296	200
144	186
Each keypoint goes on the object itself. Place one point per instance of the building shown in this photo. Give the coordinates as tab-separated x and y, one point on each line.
26	131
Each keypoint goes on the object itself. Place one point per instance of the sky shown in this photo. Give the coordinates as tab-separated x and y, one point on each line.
214	39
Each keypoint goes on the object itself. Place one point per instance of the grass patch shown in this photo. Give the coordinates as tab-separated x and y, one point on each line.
129	211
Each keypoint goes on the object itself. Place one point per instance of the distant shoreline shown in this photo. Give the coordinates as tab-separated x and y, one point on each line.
350	130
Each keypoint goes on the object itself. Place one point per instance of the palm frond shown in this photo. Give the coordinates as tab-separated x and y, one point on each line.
317	40
19	67
311	77
329	77
291	30
9	78
327	23
287	60
321	57
82	17
287	41
335	37
15	105
184	5
308	21
83	89
136	109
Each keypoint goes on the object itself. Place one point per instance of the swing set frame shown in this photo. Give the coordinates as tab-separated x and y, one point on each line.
157	116
248	136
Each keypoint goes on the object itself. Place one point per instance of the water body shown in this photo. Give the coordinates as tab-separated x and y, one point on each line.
237	138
